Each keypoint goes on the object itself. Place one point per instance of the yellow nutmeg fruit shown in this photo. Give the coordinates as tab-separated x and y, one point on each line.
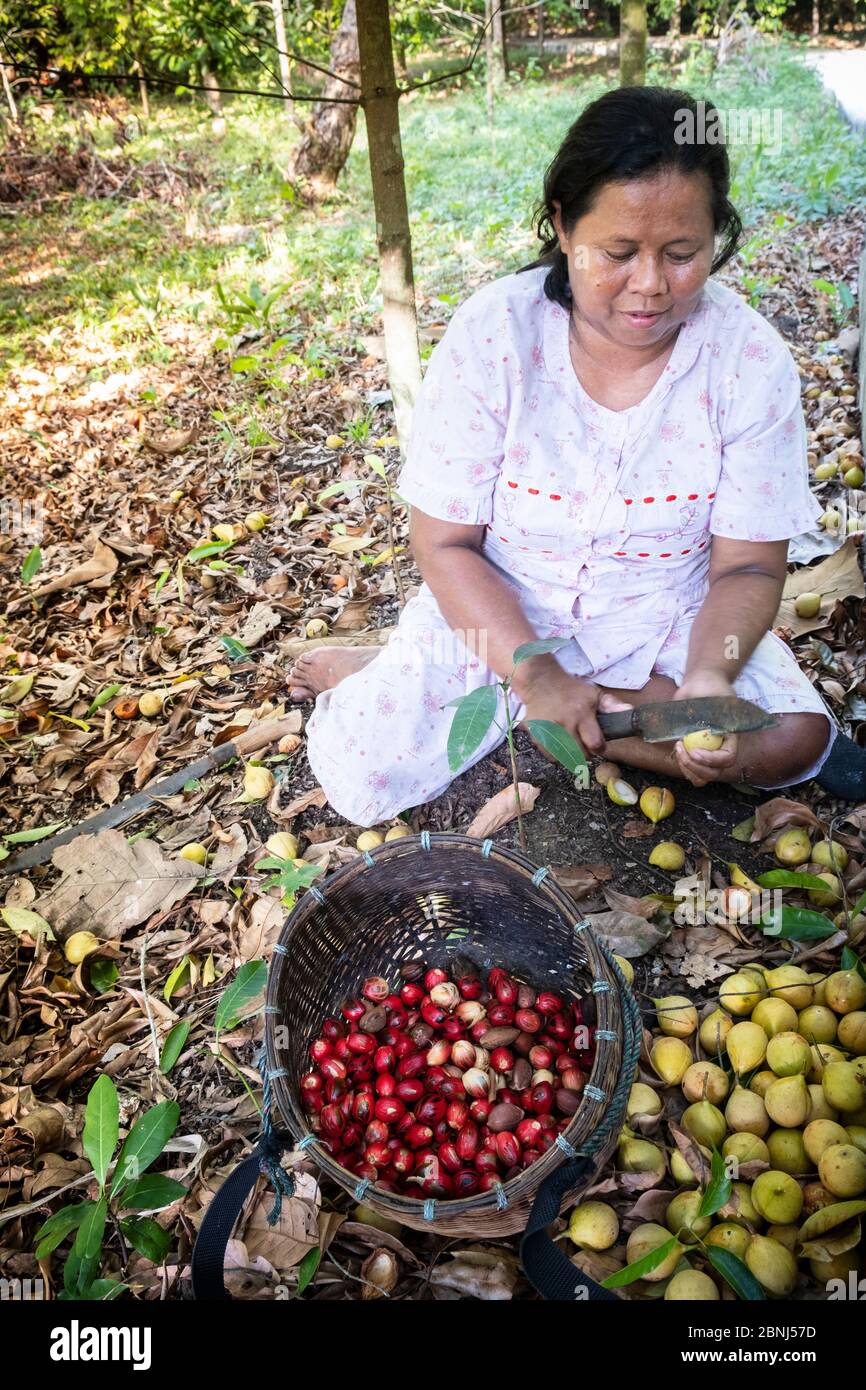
258	782
397	832
703	738
620	792
316	627
657	803
224	531
194	852
792	846
334	441
831	519
256	521
626	968
829	855
807	605
79	945
677	1015
369	839
283	845
826	470
854	477
150	704
668	855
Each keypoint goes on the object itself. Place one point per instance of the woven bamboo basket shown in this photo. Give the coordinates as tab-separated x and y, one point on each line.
433	898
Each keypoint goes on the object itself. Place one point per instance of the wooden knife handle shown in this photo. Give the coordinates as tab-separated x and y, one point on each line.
619	724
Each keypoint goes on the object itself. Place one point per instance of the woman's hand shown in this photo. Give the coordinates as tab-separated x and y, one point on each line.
700	766
571	702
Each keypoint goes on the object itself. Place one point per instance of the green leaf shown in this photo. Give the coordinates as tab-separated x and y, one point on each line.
735	1273
175	978
538	648
103	698
859	906
147	1237
145	1142
174	1045
787	878
103	974
32	565
718	1189
151	1192
796	924
29	837
16	690
201	552
851	961
23	919
557	741
743	831
247	984
474	715
58	1227
101	1290
335	488
83	1261
308	1266
238	652
164	577
373	461
245	364
101	1126
640	1267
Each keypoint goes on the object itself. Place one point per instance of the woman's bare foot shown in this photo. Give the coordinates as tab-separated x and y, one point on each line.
324	668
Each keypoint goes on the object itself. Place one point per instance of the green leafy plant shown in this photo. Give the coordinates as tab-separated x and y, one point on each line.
351	487
289	875
838	298
476	712
126	1188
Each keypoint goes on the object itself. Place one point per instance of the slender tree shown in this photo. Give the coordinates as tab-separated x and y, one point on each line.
632	43
328	132
282	44
380	98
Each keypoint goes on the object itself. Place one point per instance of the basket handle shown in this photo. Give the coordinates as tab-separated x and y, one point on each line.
208	1254
546	1267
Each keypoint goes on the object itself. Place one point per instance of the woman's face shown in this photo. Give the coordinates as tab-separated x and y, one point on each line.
637	262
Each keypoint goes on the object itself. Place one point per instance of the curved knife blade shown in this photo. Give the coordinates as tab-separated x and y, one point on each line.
664	720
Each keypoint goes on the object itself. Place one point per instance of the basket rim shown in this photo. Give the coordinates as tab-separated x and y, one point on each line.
600	963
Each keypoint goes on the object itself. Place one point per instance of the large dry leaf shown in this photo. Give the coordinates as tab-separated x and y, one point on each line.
109	885
102	563
286	1243
172	442
501	809
355	615
260	620
624	902
316	797
837	577
779	812
626	933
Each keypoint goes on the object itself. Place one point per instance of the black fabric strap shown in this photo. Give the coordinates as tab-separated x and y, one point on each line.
208	1253
545	1265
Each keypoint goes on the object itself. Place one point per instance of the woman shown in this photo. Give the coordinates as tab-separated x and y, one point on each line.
608	447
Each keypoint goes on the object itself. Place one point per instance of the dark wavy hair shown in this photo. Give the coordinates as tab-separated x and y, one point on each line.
629	133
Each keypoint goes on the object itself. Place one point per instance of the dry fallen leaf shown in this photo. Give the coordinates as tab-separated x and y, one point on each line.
779	812
626	933
581	880
172	441
102	563
837	577
502	808
109	885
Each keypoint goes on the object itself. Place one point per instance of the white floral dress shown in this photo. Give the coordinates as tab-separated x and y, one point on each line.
600	520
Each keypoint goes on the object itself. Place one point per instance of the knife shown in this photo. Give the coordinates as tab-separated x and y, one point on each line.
663	720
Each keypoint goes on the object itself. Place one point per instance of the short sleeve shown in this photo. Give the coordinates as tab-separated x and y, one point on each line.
763	491
455	449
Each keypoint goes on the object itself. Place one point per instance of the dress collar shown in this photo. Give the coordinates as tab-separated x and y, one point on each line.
557	357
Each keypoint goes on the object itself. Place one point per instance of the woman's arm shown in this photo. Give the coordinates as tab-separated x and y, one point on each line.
746	582
486	612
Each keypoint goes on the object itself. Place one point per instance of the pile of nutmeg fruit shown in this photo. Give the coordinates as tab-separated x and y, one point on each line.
445	1088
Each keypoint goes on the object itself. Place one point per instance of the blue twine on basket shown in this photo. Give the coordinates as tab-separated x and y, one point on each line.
605	1035
368	858
317	894
429	1209
538	877
568	1149
305	1143
361	1189
600	986
580	926
425	839
501	1197
271	1009
281	950
486	848
594	1093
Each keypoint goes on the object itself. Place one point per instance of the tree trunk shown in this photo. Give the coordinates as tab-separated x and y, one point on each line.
379	90
212	92
676	21
489	60
142	91
327	135
500	47
282	45
816	18
7	92
632	43
541	31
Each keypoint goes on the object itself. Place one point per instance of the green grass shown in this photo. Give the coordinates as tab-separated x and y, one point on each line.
123	270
